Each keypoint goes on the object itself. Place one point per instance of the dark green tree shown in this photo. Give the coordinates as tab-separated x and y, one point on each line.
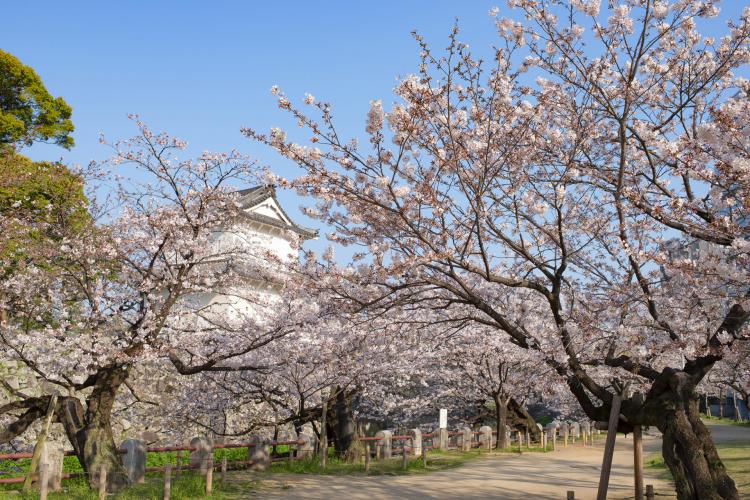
28	112
38	200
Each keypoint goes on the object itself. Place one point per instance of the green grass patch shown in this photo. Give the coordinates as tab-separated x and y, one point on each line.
725	421
188	486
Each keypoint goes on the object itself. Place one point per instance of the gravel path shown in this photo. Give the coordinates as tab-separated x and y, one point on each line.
501	476
531	475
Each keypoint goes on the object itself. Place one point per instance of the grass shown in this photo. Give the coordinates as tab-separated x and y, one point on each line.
189	485
726	421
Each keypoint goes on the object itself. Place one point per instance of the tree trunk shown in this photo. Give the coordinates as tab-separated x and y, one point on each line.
91	433
501	419
688	449
342	423
520	420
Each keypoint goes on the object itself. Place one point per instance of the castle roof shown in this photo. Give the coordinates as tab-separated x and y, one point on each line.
260	204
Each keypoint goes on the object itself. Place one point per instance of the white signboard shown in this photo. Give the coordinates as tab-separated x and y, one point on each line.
443	418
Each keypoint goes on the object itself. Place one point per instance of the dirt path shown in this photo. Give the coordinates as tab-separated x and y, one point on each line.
531	475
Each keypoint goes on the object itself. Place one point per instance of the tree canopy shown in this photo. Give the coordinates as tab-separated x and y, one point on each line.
28	112
32	193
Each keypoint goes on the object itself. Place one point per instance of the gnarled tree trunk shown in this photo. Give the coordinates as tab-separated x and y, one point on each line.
688	448
90	431
520	420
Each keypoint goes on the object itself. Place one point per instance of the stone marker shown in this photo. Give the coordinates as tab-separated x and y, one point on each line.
307	448
55	456
384	444
541	435
466	439
43	480
416	441
442	439
198	458
259	454
586	431
575	430
134	460
550	432
485	438
565	428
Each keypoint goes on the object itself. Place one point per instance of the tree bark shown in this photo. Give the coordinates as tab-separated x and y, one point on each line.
90	433
501	420
520	420
687	446
341	424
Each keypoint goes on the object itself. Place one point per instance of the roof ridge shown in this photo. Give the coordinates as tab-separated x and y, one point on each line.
254	196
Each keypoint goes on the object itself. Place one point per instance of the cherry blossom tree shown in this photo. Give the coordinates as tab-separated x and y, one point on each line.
607	198
136	287
732	372
481	366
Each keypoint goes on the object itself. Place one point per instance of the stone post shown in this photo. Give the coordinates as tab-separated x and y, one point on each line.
575	430
102	483
541	434
259	453
307	448
528	439
384	444
442	440
210	475
198	458
553	433
565	430
586	431
167	482
466	439
485	438
55	456
43	480
416	441
134	460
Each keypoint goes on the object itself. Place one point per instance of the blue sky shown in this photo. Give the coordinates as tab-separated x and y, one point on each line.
201	70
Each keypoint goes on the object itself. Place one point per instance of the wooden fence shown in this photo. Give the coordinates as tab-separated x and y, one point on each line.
201	456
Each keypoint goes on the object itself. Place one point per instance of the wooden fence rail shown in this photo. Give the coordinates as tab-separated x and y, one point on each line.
202	453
